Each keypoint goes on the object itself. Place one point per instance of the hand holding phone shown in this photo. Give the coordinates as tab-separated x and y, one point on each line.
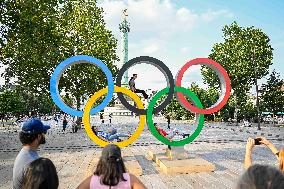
257	141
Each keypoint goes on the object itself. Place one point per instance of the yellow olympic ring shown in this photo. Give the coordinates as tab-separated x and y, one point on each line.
86	117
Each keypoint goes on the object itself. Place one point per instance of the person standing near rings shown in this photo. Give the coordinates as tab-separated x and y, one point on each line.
133	88
64	123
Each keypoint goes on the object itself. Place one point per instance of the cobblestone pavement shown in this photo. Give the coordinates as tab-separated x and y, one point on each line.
72	153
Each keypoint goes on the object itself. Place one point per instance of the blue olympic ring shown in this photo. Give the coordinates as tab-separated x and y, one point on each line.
54	81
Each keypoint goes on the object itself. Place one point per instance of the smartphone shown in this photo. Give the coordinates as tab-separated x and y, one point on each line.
257	141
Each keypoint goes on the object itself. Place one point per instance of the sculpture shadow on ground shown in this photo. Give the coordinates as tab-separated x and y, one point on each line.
146	165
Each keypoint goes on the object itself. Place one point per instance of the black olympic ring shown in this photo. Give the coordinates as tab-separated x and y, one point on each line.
158	64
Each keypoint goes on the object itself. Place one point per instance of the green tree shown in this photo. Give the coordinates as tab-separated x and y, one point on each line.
29	42
246	54
272	94
37	35
206	97
248	111
86	34
10	103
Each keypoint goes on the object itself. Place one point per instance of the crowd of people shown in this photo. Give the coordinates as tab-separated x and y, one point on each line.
33	172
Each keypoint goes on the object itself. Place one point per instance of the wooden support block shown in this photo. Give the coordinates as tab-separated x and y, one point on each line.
176	153
181	166
194	165
151	154
156	157
133	167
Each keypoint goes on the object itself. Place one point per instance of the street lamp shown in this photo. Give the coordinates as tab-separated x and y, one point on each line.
256	88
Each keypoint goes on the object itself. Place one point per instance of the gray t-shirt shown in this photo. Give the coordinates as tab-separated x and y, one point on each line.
132	85
23	159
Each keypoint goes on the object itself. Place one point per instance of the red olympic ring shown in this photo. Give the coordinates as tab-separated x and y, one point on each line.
225	85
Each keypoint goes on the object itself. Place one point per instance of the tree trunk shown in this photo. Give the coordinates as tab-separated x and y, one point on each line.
257	105
79	119
236	108
78	103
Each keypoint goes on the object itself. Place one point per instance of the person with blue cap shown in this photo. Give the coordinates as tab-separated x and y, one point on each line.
32	135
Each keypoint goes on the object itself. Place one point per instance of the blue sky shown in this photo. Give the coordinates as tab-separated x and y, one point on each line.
178	31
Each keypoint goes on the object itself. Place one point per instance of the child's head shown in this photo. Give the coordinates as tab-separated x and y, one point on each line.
95	128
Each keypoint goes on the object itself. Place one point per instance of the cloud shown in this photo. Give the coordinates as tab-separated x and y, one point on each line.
193	75
160	17
184	15
211	15
185	50
157	28
151	49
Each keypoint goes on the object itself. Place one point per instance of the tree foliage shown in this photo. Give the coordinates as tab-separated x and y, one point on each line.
206	97
246	54
37	35
10	103
272	94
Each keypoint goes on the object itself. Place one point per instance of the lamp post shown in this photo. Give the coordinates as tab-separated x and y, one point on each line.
256	88
124	28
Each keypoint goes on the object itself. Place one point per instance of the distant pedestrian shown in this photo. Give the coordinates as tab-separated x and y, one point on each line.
102	117
41	174
32	135
110	116
169	121
65	122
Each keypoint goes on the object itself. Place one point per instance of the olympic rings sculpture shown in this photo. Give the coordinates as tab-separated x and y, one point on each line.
145	115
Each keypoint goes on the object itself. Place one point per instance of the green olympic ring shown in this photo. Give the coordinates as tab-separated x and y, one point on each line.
154	131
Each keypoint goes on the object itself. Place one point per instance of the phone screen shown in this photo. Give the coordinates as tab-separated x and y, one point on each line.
256	141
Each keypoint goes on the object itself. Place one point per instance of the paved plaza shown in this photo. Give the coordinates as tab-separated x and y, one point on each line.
218	143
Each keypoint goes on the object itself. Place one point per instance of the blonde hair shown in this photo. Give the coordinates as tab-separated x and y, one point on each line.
281	159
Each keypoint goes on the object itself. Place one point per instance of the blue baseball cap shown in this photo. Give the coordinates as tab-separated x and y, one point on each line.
33	126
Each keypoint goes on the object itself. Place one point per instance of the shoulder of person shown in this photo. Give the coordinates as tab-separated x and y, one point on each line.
85	184
135	182
133	178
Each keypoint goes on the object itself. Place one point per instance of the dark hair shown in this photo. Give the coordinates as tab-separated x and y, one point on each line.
41	174
110	169
261	177
27	138
134	75
94	128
